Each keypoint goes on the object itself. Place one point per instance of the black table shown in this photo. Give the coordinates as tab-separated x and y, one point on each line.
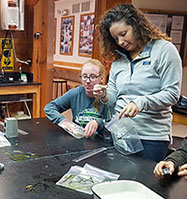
56	149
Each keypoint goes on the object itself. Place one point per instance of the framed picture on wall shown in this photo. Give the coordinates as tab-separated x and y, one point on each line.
175	26
86	34
66	34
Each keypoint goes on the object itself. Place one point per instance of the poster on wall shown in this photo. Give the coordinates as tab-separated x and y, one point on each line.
159	20
86	34
67	31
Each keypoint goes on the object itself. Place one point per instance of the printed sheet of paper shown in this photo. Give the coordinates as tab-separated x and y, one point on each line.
3	141
177	22
159	20
13	16
176	36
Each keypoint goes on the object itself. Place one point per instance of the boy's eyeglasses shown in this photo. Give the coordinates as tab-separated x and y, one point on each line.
92	78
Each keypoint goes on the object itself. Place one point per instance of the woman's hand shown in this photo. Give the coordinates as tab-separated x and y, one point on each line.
99	91
160	166
130	110
91	128
183	171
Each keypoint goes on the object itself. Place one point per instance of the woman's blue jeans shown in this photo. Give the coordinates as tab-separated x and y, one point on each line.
154	150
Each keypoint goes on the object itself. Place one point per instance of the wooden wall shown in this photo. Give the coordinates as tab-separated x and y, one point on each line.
43	49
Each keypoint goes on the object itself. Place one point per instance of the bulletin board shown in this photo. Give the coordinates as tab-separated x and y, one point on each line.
67	32
86	34
174	24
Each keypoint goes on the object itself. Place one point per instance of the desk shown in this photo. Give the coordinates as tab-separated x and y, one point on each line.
56	149
24	88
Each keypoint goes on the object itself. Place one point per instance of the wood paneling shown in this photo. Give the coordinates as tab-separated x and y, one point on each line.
70	64
59	72
43	49
31	2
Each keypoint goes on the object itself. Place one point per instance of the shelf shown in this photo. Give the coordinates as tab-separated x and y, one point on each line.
20	115
15	101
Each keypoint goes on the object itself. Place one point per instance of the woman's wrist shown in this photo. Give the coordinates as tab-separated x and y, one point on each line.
104	94
104	99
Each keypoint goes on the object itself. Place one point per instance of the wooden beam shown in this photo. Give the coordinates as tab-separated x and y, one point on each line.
43	49
31	2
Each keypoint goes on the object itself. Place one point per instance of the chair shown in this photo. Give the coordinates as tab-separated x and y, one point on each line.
60	86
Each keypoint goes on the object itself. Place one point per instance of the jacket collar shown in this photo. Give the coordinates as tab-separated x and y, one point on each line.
146	52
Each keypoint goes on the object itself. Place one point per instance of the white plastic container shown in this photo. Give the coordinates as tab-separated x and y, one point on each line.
11	127
123	189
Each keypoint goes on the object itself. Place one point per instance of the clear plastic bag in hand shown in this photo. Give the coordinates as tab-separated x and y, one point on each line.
78	131
125	136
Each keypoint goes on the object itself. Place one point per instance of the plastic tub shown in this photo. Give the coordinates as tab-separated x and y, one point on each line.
123	189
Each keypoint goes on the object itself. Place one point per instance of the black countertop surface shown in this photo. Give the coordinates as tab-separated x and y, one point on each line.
56	149
13	79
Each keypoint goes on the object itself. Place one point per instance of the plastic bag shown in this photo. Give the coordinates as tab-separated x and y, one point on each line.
78	131
83	178
124	135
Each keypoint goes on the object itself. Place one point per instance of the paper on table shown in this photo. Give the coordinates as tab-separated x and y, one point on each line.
3	140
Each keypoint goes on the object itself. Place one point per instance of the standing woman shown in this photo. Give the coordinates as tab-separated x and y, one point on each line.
145	76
